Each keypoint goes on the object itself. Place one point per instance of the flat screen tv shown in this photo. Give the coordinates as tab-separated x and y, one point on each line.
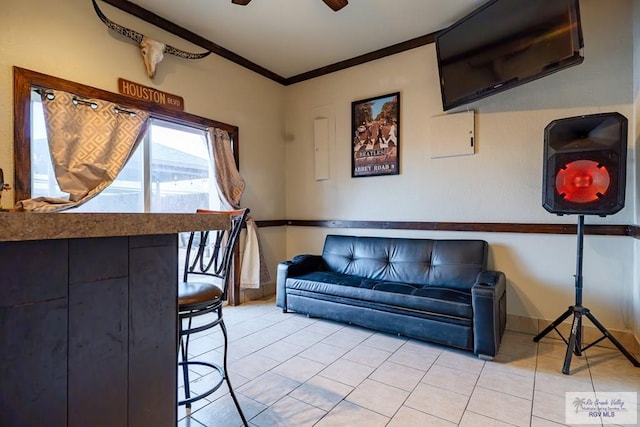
506	43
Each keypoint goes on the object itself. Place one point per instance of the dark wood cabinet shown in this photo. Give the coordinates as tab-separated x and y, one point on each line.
88	332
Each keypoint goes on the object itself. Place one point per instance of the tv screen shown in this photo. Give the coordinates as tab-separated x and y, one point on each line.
506	43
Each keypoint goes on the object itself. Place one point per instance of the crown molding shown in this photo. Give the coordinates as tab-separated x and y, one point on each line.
198	40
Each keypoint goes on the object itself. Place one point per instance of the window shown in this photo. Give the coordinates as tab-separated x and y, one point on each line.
170	171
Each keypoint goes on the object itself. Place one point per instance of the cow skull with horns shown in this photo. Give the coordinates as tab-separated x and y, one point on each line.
152	51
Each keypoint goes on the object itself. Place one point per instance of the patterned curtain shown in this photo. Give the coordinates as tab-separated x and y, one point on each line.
90	141
230	188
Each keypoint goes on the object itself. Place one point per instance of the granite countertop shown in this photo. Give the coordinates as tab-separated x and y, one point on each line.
18	226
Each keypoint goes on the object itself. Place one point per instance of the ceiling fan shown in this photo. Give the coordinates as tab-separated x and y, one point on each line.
336	5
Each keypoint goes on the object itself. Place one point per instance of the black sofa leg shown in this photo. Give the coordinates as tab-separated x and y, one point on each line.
485	357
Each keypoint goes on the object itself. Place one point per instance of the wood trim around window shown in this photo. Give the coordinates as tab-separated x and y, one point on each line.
24	80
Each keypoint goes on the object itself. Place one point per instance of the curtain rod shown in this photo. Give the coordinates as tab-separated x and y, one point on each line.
48	94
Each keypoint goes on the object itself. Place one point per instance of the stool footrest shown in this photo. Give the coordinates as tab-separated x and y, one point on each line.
211	390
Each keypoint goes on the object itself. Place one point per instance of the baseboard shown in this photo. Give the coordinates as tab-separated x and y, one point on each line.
534	326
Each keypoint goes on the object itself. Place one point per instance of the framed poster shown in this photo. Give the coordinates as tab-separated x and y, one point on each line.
375	126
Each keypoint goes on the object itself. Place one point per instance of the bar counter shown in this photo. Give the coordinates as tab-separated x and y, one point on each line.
88	308
18	226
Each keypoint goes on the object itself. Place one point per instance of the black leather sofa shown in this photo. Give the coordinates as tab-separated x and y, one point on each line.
434	290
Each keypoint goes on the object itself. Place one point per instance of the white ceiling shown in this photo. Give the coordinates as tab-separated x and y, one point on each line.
290	37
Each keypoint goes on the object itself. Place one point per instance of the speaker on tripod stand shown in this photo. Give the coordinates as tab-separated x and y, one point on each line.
584	174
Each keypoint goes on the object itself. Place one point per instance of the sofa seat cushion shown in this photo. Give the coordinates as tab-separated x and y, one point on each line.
430	299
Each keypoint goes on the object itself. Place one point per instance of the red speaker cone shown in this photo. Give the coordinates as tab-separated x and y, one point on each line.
582	181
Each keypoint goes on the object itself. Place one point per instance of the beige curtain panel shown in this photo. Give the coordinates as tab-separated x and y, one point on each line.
231	185
90	141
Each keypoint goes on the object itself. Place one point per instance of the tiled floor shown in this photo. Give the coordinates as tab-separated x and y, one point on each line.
290	370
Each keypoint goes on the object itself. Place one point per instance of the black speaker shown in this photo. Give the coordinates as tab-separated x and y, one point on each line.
585	164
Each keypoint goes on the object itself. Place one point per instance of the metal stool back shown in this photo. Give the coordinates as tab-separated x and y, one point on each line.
202	291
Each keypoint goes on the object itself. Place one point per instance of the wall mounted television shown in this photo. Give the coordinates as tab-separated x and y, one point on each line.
506	43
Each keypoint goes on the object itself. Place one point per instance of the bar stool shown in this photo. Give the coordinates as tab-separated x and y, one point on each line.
202	291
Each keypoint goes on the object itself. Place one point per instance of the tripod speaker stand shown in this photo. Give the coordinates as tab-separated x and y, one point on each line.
584	173
574	343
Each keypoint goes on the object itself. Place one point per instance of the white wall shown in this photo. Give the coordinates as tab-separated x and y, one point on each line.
66	39
500	183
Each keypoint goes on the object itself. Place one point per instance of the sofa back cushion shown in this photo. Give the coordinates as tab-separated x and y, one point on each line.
426	262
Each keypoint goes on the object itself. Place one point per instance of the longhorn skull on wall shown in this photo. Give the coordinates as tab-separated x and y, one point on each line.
152	51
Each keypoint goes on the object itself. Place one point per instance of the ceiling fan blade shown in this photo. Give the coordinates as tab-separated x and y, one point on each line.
241	2
336	5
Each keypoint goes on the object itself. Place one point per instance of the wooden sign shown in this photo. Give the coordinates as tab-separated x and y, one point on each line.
149	94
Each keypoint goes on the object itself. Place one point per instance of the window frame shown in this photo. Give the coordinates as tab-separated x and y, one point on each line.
25	80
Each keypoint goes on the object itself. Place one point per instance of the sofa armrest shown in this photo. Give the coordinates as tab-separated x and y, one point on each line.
297	266
488	297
